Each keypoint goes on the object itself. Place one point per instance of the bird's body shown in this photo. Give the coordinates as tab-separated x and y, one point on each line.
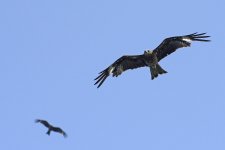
149	58
51	128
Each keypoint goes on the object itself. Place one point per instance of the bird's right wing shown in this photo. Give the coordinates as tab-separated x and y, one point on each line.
120	65
44	122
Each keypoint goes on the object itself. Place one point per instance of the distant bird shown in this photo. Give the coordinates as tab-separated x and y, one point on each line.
150	58
51	128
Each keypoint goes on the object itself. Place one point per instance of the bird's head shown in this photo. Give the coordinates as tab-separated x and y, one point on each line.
148	52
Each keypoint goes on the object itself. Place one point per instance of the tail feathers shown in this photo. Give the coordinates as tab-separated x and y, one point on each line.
155	71
160	69
48	132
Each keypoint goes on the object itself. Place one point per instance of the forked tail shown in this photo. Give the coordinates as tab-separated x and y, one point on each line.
156	70
48	132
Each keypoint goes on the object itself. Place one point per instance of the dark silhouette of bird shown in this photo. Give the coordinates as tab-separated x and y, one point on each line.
150	58
51	128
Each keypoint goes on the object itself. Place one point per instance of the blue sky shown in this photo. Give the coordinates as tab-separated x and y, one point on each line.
52	50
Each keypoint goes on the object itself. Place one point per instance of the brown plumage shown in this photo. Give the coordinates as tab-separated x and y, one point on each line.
50	127
149	58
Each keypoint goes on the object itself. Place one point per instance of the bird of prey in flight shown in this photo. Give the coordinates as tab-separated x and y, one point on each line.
150	58
51	128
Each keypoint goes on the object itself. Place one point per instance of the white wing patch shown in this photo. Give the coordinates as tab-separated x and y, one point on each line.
111	70
187	39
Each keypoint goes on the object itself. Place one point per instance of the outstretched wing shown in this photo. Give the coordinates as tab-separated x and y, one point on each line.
120	65
59	130
44	122
170	45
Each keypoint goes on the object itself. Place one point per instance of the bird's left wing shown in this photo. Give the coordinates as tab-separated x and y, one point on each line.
170	45
56	129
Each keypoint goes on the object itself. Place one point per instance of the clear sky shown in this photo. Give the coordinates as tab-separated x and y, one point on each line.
51	51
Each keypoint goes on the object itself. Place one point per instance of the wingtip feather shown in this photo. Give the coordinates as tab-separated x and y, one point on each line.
101	78
37	120
102	81
199	37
